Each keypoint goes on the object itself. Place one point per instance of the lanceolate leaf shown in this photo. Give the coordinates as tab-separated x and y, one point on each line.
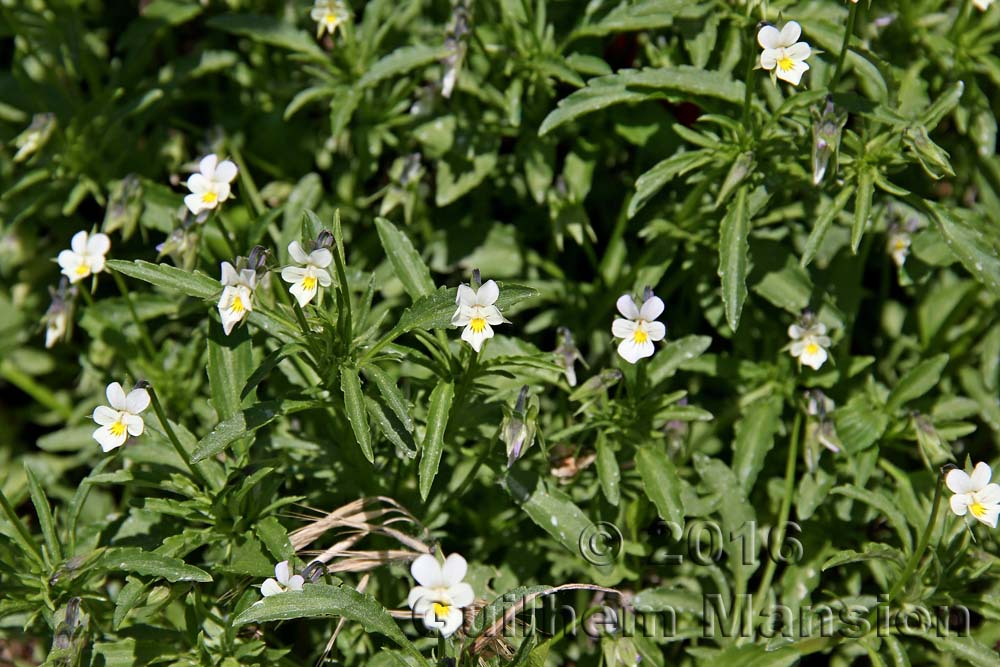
437	423
354	405
410	268
659	479
734	256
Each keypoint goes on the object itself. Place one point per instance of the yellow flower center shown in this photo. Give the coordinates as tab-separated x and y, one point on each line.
640	336
478	325
308	283
441	611
117	429
812	348
331	20
237	305
83	270
978	509
900	245
785	64
210	197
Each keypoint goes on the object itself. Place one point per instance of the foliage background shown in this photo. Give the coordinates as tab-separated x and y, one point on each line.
588	150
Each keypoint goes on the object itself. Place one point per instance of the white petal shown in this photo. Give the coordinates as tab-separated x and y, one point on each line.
990	517
295	582
989	494
768	37
133	424
229	276
631	351
475	339
790	34
137	401
655	330
461	595
980	476
96	263
99	244
301	294
488	293
222	191
453	622
109	440
461	317
769	58
651	309
623	328
960	503
199	184
194	204
281	572
798	51
321	258
296	252
293	274
794	75
426	571
795	331
813	359
958	481
270	587
104	415
626	306
207	165
454	569
67	259
225	172
79	243
116	396
323	276
419	599
466	296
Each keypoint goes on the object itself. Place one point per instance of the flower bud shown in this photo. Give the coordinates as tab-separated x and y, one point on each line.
827	128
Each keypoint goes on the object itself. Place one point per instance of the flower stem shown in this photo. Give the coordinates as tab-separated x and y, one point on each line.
918	553
230	245
147	342
783	512
851	18
749	80
169	430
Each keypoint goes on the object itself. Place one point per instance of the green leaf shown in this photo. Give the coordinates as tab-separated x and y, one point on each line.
244	423
129	597
608	473
550	509
859	423
862	204
643	15
734	256
44	513
433	445
916	382
638	85
323	601
872	551
391	428
230	362
974	242
662	486
269	30
883	505
150	564
665	171
410	268
435	310
675	354
390	394
401	61
169	277
823	222
754	439
968	649
354	405
788	288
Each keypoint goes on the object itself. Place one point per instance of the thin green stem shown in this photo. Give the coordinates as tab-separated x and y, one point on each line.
147	342
918	553
169	430
851	18
230	244
750	79
786	507
27	542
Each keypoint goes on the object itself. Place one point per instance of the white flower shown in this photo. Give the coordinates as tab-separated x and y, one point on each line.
307	279
85	257
974	494
982	5
122	419
209	187
441	593
783	54
477	313
329	15
283	581
809	343
236	301
640	329
56	322
899	246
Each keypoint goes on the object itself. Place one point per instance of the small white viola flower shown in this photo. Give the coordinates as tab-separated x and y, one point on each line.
784	55
85	256
282	582
59	313
440	594
982	5
639	330
477	313
974	494
122	419
236	301
329	15
210	186
809	342
899	246
308	278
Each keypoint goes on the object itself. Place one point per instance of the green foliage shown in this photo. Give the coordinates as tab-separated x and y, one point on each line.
573	152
